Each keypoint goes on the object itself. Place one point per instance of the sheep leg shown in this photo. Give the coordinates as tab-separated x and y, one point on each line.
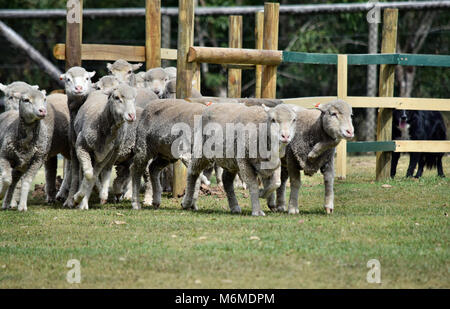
51	166
193	183
294	176
16	195
219	175
249	176
148	190
328	178
75	174
15	177
6	180
65	186
105	180
395	157
270	183
281	191
27	179
228	185
155	168
320	148
137	168
123	173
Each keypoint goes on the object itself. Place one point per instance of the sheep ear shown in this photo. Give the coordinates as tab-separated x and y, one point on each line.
62	77
3	87
267	109
109	66
91	74
35	87
109	92
44	92
136	66
322	107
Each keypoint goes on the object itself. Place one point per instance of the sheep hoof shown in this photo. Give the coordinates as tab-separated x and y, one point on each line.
68	203
236	210
293	211
156	205
22	208
103	201
136	206
281	208
148	202
258	213
329	210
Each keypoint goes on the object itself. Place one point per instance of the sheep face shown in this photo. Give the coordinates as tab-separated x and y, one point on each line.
13	92
123	102
122	69
337	119
170	92
33	106
78	81
282	119
156	80
107	83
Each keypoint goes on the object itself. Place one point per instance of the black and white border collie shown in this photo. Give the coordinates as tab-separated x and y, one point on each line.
418	125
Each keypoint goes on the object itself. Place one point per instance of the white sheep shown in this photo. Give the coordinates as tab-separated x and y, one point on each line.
318	132
101	126
24	147
78	86
276	123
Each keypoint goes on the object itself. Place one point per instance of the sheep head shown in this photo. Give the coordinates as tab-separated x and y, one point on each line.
156	79
337	119
122	69
33	106
122	101
282	119
78	81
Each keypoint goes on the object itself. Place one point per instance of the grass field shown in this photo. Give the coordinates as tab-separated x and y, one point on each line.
405	227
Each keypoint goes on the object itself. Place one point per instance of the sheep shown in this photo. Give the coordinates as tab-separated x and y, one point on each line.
156	80
122	69
13	92
58	110
78	86
24	146
101	126
170	91
278	123
154	141
318	132
106	83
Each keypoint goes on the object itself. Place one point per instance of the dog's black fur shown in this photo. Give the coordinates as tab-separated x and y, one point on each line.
419	125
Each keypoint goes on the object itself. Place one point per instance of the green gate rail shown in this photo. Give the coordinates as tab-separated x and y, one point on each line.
367	59
370	146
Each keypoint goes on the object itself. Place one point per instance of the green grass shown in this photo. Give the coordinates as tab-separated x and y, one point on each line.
405	227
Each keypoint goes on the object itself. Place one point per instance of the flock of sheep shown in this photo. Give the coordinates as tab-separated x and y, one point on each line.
126	120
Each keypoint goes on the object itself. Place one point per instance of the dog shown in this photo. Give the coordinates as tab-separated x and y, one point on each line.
418	125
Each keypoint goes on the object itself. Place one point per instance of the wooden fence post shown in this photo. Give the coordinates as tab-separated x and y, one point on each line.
386	89
185	72
269	76
152	33
74	33
235	41
341	149
259	35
